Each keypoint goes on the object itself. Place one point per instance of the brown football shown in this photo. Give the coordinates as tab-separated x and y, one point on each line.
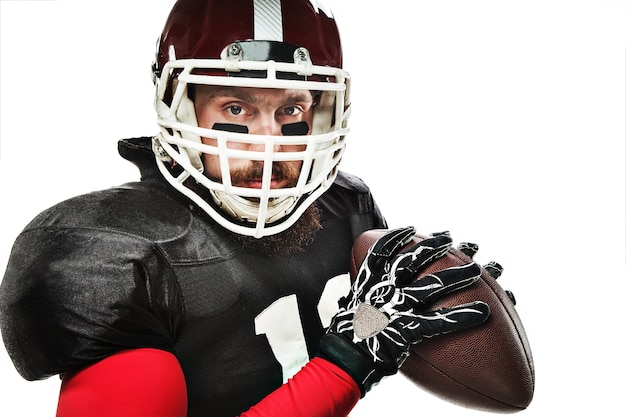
489	367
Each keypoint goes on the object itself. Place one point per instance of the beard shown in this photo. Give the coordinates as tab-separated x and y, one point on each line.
301	233
294	239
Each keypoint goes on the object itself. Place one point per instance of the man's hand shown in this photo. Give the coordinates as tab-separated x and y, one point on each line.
385	311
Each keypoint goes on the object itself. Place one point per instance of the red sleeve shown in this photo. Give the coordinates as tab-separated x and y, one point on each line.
150	383
319	389
138	382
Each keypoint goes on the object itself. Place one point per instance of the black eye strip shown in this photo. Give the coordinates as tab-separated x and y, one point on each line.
290	129
230	127
295	129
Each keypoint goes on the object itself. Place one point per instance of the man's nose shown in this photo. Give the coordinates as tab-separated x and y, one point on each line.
266	124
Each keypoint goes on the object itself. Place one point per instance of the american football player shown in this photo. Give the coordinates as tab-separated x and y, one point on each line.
218	284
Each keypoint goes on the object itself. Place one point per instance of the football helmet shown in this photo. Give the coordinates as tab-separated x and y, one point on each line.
281	44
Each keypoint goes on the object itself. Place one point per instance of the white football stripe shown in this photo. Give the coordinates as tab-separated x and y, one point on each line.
268	22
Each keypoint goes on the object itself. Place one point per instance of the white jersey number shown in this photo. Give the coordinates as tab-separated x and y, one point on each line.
280	323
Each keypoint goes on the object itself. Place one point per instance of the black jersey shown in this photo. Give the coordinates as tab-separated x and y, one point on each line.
139	266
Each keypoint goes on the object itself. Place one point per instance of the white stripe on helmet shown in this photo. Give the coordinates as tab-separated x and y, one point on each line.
268	21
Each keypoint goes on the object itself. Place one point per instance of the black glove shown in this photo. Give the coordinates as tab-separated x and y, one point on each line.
384	313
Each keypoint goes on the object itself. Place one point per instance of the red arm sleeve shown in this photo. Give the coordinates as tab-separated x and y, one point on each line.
150	383
138	382
319	389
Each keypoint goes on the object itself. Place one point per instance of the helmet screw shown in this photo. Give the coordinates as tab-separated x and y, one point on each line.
234	50
301	55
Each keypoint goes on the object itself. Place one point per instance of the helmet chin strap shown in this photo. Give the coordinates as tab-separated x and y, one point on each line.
247	210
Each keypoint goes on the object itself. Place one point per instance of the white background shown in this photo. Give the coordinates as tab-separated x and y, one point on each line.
501	121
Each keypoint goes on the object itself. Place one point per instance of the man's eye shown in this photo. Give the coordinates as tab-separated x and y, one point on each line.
291	110
235	110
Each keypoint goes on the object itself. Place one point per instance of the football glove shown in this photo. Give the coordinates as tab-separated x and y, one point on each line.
385	312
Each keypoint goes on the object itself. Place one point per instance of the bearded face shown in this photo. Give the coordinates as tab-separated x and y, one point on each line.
259	111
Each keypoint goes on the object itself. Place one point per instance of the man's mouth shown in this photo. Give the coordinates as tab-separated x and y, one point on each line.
258	182
282	176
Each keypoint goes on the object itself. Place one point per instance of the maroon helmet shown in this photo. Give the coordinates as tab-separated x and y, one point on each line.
282	44
203	29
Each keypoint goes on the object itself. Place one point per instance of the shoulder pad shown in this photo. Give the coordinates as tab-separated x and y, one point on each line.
139	152
145	209
351	182
71	297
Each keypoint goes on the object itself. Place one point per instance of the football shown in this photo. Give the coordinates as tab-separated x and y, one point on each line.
489	367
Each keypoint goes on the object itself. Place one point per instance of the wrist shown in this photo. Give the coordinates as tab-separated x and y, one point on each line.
336	349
